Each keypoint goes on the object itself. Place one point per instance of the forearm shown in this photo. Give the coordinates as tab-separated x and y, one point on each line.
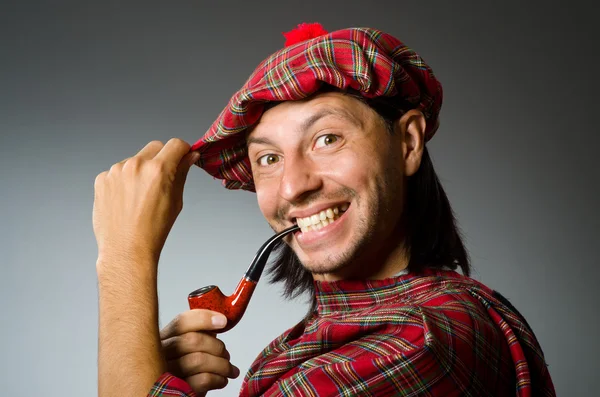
129	354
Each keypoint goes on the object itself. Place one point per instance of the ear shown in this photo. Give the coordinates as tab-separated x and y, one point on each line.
411	128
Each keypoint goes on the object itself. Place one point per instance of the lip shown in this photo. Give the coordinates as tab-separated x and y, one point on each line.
316	236
314	210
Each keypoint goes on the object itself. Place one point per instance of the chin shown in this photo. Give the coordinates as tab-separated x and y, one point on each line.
325	264
321	268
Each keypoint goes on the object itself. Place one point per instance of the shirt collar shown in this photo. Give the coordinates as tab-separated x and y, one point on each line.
353	295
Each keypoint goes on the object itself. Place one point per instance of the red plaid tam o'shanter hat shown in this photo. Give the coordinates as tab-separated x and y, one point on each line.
366	60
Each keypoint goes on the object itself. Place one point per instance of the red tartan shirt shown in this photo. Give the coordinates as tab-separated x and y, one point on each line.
433	334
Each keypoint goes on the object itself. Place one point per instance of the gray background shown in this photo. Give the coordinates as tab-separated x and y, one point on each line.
84	85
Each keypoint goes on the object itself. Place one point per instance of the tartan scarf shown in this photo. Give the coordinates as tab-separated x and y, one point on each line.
366	60
434	334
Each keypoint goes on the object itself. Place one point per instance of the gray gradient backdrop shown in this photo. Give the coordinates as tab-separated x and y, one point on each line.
84	85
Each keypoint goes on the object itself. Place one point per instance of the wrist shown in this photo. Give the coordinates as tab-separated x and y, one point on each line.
122	263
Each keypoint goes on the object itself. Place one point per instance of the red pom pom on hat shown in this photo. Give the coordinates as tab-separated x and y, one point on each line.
304	31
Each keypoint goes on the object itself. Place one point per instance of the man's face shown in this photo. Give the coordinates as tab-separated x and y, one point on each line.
330	165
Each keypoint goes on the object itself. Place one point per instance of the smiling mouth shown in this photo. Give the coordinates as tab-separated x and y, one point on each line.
321	219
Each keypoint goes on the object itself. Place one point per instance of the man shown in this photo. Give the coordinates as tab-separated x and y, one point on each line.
330	133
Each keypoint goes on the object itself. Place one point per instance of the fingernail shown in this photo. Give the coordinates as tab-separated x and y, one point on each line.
235	371
219	321
194	157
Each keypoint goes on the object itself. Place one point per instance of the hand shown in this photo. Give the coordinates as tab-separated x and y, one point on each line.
137	201
194	354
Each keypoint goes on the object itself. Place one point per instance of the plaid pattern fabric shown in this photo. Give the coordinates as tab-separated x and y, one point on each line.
169	385
367	60
437	334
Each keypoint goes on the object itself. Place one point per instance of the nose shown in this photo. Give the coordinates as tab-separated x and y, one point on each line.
300	178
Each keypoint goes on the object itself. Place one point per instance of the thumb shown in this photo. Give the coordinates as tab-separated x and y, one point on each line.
186	163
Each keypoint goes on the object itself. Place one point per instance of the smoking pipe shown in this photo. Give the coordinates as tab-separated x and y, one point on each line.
234	306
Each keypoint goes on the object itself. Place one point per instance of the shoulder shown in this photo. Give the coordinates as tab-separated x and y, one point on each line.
441	308
483	328
455	308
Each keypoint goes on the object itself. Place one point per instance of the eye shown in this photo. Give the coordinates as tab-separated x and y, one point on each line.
326	140
267	159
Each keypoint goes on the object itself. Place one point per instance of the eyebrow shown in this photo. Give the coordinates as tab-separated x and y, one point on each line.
259	141
330	111
312	120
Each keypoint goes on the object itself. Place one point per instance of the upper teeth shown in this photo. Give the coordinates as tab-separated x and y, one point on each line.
321	219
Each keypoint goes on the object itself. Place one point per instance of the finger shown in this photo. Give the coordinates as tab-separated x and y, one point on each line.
100	180
201	383
175	368
198	362
150	150
191	342
116	168
186	163
173	151
188	160
193	320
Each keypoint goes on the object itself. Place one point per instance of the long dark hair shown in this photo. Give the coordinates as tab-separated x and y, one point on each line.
433	237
